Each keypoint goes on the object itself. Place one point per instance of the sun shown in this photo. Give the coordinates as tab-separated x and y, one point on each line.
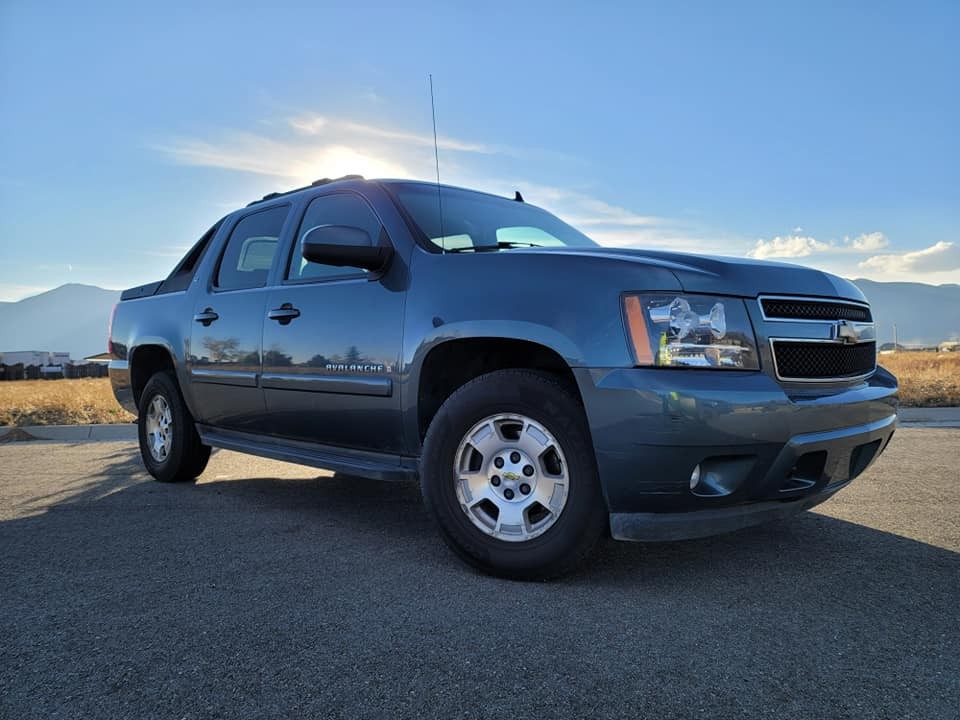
339	160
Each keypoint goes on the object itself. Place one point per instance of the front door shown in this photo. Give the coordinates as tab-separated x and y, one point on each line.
332	342
224	358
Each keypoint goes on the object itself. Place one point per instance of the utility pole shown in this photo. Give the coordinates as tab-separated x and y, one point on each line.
896	343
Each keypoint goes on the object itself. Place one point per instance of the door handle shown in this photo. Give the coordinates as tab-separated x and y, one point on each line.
284	314
206	317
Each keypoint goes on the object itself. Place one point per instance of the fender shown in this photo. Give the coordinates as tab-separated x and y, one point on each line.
518	330
176	359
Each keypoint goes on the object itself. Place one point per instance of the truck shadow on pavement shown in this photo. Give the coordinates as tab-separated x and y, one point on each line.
358	508
133	584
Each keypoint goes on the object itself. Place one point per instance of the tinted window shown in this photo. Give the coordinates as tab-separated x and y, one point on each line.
181	276
249	253
339	209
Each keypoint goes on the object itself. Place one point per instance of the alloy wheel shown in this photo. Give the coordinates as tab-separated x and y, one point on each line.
511	477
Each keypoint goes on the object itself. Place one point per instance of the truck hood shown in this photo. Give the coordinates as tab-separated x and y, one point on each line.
727	275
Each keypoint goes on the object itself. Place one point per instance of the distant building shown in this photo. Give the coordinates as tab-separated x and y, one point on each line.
59	358
34	358
949	346
103	358
39	364
33	364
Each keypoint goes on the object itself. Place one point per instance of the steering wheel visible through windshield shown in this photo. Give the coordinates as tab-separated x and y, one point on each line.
473	221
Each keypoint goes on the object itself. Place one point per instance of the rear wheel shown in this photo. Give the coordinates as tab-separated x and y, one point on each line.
169	443
509	476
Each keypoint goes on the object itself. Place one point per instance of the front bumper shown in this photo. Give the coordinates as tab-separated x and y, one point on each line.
763	451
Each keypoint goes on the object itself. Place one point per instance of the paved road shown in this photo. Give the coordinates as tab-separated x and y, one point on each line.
266	591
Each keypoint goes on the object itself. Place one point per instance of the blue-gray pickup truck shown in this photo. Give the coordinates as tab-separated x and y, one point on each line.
544	390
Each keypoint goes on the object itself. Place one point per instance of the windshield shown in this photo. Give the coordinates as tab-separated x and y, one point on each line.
474	221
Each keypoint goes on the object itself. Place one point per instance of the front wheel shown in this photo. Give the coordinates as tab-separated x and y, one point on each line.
508	473
169	443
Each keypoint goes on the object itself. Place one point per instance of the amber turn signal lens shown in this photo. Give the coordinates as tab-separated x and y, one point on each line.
638	330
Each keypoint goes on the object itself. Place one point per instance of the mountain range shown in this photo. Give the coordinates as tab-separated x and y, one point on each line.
74	317
923	314
71	318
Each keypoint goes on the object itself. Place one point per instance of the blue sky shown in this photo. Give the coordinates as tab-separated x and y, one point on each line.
821	133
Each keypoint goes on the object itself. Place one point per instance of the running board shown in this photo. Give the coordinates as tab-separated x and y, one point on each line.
376	466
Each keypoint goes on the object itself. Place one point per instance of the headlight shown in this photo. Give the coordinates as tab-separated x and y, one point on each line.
670	330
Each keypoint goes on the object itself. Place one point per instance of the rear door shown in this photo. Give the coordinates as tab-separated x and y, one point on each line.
225	357
332	348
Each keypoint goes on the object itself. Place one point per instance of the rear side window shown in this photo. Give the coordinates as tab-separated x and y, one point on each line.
249	252
182	274
337	209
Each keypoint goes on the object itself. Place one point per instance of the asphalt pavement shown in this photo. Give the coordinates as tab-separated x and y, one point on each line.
269	590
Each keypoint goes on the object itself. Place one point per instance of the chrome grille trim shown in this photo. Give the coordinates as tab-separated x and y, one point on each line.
858	307
828	324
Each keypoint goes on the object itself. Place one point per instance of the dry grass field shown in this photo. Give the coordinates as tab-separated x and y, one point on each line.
59	402
926	380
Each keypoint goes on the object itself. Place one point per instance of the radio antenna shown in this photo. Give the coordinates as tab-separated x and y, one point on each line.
436	157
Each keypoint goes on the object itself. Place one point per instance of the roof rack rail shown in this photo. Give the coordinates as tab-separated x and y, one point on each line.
325	181
315	183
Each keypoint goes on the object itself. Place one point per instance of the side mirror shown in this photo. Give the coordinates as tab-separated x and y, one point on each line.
344	246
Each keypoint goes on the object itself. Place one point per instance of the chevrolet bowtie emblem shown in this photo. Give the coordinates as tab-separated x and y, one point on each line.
845	332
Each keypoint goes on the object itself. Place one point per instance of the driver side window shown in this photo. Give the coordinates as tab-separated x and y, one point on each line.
337	209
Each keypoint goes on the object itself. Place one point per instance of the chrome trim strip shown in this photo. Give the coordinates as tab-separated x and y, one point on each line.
844	379
224	377
341	384
814	299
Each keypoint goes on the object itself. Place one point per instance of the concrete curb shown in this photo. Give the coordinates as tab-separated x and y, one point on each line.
909	417
79	433
930	417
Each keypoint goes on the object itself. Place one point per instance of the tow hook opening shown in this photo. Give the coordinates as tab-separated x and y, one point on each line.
806	472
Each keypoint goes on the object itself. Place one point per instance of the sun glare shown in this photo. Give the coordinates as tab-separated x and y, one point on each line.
338	160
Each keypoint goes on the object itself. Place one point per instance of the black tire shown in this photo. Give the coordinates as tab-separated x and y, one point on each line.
583	520
187	456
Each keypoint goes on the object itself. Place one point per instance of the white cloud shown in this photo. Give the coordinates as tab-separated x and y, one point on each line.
584	210
608	224
795	246
868	242
938	258
310	146
10	292
293	160
322	125
787	246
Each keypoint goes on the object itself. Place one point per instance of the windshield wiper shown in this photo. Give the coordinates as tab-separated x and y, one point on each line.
501	245
515	244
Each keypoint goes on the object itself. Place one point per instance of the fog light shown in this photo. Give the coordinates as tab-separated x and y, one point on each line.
694	477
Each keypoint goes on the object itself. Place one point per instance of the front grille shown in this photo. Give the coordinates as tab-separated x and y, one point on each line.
798	360
790	309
